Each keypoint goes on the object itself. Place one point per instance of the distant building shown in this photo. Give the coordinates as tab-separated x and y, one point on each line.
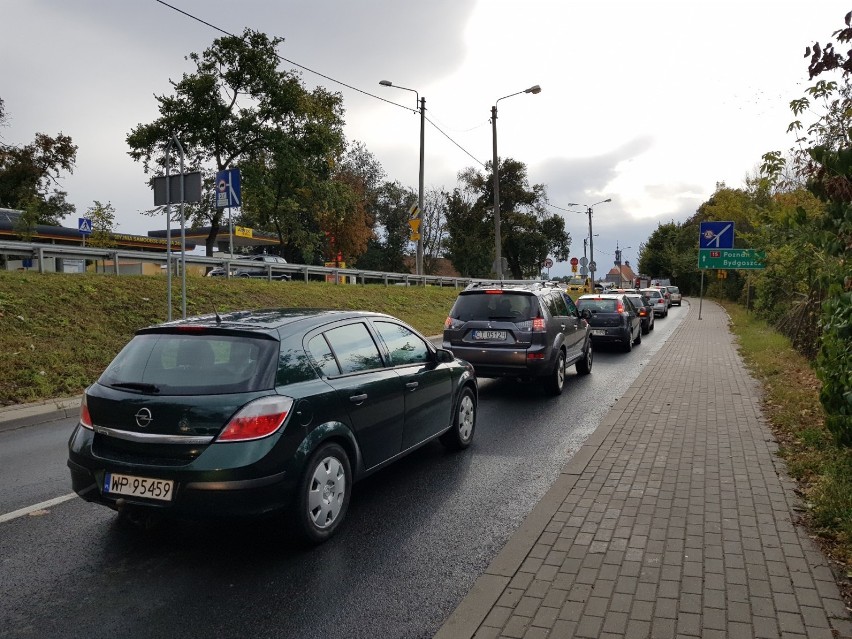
44	233
626	279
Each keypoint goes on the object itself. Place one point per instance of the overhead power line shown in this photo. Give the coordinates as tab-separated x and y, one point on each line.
322	75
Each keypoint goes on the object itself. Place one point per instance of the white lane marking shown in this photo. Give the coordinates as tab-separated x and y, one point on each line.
31	509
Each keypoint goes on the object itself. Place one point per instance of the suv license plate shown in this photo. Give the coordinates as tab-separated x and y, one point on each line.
491	335
598	331
160	489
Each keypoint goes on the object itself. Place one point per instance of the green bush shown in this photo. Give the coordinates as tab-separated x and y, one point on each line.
834	366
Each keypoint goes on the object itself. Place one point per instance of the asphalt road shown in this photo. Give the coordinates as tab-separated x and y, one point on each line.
416	537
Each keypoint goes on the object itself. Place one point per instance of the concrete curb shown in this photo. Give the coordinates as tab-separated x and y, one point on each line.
14	417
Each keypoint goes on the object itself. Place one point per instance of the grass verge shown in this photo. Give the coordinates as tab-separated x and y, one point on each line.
791	403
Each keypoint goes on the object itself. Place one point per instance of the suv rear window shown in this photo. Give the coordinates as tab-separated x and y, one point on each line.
186	364
506	305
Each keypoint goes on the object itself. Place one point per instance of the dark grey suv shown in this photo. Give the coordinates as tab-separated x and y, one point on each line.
526	330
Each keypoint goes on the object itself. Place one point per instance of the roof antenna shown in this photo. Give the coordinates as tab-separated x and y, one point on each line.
215	312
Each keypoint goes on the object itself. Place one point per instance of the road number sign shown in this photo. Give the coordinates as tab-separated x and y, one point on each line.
731	259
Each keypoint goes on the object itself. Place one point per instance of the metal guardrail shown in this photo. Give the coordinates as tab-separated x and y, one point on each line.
40	252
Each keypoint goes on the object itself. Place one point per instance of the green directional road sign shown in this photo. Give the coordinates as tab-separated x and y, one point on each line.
731	258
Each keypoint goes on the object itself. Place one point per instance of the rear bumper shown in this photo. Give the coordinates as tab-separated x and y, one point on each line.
503	362
195	499
610	334
199	492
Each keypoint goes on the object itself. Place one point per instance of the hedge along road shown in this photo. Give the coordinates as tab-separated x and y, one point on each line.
417	535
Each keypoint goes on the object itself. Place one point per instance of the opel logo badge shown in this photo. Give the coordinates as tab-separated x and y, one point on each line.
143	417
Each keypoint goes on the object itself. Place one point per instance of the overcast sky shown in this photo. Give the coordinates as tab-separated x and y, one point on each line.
648	103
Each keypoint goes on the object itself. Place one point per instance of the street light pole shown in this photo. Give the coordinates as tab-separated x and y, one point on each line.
421	229
421	104
591	238
498	244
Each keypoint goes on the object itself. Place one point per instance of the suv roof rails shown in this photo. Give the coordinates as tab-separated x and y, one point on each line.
533	284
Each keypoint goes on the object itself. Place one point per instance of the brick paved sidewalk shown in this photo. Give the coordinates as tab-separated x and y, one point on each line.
672	521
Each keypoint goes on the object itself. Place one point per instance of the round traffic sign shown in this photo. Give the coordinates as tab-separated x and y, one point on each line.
548	263
584	261
574	261
593	266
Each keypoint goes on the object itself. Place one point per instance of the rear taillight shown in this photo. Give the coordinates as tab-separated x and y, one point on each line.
452	322
642	312
619	307
256	420
538	325
85	417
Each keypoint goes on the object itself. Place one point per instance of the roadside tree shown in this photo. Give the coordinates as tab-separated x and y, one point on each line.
30	176
238	106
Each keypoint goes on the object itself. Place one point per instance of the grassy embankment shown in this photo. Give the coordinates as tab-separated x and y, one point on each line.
58	332
791	403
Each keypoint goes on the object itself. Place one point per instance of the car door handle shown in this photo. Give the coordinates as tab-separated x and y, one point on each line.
412	385
357	399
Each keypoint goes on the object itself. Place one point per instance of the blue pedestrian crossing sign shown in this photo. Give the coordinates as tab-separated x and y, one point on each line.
84	225
228	188
716	235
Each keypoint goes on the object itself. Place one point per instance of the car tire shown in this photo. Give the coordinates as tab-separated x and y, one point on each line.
324	493
627	343
638	339
645	329
461	432
556	380
584	366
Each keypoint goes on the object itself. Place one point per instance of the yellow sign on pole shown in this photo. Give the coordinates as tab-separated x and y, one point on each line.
243	231
414	223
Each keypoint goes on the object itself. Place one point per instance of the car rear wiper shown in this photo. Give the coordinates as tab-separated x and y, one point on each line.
145	388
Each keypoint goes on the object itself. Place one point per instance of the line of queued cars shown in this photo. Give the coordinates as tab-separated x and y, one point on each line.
273	411
623	316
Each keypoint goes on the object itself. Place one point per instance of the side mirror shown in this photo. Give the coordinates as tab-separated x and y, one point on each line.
586	314
443	356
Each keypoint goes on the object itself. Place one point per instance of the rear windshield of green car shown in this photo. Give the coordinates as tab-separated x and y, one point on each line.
189	364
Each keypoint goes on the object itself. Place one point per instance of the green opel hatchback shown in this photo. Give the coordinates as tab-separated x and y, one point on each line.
255	412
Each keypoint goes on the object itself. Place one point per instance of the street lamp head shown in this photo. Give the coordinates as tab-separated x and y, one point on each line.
533	89
386	83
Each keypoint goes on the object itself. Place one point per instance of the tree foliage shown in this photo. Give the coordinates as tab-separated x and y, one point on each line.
389	247
528	232
30	177
470	238
103	224
238	106
823	159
